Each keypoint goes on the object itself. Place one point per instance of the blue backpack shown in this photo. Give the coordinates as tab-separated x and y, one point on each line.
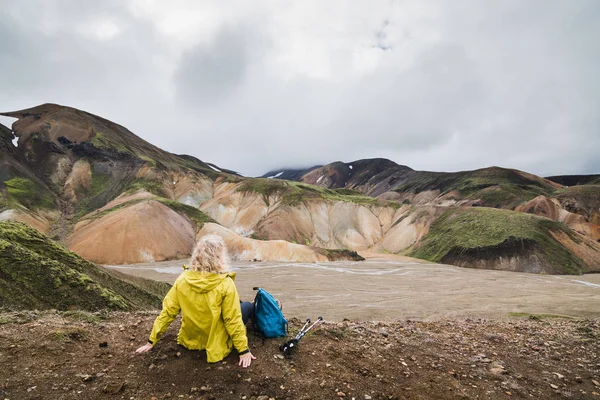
268	318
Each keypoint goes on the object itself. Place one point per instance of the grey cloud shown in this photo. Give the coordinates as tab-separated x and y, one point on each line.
506	83
208	73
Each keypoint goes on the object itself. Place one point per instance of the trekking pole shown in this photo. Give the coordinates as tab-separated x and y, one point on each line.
303	332
288	346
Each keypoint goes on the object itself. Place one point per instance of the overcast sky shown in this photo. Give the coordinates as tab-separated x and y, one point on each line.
256	85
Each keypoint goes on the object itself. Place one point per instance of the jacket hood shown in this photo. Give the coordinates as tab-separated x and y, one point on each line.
203	282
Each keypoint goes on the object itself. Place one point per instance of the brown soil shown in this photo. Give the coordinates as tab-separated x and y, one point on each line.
146	231
57	357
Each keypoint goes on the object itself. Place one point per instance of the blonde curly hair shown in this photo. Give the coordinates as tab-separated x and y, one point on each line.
210	255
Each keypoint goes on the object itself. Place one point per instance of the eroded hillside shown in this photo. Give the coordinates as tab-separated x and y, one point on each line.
114	198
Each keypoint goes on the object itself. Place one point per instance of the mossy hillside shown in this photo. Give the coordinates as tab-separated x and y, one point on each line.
460	231
103	141
115	138
36	272
29	194
104	187
497	187
294	193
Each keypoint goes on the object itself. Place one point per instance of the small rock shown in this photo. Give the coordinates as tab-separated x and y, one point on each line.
497	369
278	356
384	333
114	388
151	367
103	344
367	397
262	397
559	376
178	354
553	386
595	383
341	394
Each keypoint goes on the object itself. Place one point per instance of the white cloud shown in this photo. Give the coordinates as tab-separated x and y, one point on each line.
253	86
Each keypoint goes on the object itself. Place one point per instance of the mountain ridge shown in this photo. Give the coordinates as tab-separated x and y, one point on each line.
77	176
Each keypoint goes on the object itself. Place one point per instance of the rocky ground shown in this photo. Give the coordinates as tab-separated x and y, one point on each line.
88	356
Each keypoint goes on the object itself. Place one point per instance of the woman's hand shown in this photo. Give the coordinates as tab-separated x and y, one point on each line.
144	348
246	359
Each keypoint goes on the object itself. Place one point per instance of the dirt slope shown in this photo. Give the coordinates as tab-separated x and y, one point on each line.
584	219
145	231
55	356
246	249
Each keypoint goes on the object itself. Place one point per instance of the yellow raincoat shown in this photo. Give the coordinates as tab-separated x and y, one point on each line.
211	314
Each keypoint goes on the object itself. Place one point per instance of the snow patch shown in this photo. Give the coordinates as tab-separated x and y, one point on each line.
350	166
8	215
8	121
321	177
215	168
276	175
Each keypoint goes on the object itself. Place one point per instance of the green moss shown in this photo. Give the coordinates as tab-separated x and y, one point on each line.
265	187
149	160
83	316
294	193
102	141
151	186
197	216
496	187
93	198
460	231
36	272
27	193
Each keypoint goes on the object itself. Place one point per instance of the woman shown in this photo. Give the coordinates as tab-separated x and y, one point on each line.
210	306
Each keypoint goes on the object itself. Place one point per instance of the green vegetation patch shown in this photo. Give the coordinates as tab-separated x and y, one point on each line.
38	273
151	186
198	217
294	193
101	140
496	187
28	193
95	197
460	231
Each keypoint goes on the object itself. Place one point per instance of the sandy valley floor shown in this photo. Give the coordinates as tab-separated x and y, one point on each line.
400	288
